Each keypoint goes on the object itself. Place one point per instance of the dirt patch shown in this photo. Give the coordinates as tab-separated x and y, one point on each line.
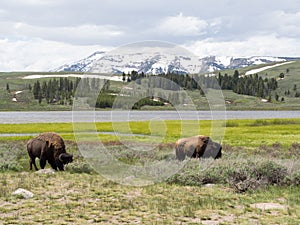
268	206
218	219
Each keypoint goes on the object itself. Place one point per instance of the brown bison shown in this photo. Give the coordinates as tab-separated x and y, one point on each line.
197	147
49	147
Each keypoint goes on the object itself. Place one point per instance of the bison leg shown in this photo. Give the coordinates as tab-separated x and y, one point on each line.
52	164
32	161
60	167
42	162
219	155
59	164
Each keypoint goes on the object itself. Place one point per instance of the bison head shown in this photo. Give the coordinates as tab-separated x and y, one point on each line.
213	149
65	158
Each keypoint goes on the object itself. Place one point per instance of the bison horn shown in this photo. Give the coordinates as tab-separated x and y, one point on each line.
63	156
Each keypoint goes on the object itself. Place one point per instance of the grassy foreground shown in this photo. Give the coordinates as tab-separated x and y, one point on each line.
71	198
256	181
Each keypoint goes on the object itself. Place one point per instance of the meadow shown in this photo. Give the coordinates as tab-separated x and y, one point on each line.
255	182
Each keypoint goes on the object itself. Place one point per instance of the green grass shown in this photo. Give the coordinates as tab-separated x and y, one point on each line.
261	155
250	133
60	199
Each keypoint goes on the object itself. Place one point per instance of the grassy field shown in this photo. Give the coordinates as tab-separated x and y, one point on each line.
255	182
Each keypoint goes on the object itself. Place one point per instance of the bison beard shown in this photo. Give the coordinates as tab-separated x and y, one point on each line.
49	147
199	146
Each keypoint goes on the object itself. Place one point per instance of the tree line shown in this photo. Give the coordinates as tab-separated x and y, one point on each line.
53	91
62	90
252	85
58	91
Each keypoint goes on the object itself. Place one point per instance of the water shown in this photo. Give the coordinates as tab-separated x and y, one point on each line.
116	116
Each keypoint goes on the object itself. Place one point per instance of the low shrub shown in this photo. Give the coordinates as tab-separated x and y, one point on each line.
239	173
264	122
79	167
253	175
231	124
10	154
293	178
259	122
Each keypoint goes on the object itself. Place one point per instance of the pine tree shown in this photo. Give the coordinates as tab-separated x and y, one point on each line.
7	88
270	98
44	89
36	90
281	75
128	78
276	97
40	97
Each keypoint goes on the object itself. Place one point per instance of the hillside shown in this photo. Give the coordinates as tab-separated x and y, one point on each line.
19	97
288	86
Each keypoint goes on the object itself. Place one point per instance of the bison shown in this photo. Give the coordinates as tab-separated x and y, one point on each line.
49	147
197	147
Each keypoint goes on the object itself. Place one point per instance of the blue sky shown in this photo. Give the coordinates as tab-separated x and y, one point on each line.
40	35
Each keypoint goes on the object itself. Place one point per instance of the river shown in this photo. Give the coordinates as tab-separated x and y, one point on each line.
116	116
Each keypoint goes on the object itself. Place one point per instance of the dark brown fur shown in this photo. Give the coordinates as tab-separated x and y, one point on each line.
199	146
39	149
58	153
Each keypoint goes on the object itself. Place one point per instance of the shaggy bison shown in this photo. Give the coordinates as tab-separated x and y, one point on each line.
197	147
49	147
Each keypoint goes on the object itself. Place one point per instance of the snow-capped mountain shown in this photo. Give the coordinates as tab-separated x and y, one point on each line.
160	62
219	63
82	65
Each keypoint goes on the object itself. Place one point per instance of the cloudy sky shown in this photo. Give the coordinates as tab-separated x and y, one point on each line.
40	35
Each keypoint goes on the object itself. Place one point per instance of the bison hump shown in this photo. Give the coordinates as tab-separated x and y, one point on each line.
53	138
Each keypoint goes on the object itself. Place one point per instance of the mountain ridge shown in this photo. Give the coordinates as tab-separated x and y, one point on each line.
156	63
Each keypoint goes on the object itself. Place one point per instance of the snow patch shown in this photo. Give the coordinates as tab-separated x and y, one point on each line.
105	77
254	71
224	60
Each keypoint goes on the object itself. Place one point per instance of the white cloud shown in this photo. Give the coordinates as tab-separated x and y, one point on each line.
285	24
40	55
264	45
31	3
43	34
86	33
183	25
